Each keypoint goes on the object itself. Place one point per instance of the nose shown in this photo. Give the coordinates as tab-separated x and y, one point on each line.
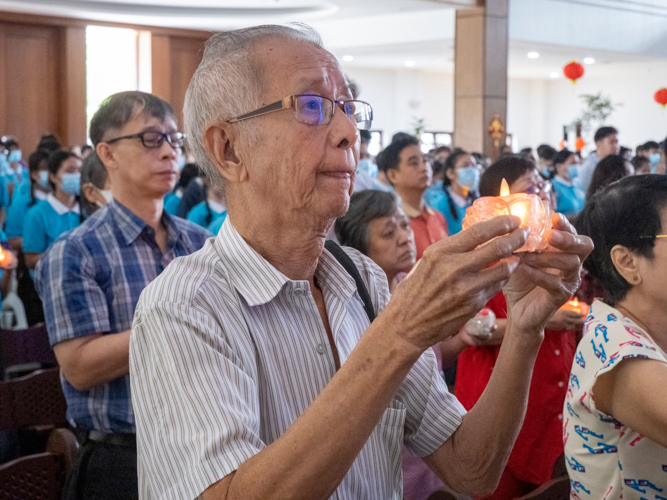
344	133
167	150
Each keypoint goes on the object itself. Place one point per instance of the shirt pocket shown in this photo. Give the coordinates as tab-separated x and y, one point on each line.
392	424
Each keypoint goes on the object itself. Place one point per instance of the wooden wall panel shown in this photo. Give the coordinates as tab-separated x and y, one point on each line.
31	82
73	99
186	54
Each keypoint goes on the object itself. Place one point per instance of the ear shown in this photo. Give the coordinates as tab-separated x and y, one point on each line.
626	264
221	144
392	175
105	152
89	192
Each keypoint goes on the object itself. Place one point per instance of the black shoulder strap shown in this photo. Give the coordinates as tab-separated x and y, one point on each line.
345	261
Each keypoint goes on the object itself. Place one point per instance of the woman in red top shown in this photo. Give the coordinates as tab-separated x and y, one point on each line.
539	443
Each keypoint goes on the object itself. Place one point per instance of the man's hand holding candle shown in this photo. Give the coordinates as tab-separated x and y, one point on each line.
544	281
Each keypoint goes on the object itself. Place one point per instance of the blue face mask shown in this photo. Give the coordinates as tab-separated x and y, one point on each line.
44	178
369	167
654	158
14	156
572	171
468	177
71	183
181	162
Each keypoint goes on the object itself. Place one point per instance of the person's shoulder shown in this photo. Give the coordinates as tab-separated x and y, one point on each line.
193	230
372	274
184	278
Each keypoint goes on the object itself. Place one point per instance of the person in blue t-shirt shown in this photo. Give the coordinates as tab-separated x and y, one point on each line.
459	187
189	172
27	196
59	212
207	212
15	173
570	196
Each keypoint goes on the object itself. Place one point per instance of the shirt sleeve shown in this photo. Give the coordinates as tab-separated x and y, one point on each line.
34	234
196	408
632	349
74	303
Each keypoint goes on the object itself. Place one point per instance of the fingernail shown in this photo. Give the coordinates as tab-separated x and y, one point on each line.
556	236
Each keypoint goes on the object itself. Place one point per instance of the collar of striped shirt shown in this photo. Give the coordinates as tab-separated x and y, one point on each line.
259	282
131	225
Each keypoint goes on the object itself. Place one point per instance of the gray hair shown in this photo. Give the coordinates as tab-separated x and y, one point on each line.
228	84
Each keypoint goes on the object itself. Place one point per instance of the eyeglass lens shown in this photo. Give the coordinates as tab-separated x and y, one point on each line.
317	110
155	139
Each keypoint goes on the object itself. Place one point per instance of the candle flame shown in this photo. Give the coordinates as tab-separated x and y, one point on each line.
575	302
504	188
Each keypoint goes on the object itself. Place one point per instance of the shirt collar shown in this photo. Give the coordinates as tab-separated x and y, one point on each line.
259	282
218	208
131	225
59	207
411	211
41	195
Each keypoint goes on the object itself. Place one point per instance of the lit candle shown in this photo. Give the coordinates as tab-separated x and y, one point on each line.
576	306
533	212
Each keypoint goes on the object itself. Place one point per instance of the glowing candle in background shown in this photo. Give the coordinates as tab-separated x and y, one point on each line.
576	306
533	212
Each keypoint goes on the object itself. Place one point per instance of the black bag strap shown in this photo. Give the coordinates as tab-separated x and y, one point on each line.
345	261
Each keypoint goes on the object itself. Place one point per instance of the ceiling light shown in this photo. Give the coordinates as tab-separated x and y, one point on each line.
589	60
409	63
554	74
348	58
533	55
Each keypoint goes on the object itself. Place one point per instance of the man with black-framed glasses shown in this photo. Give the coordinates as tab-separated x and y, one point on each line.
91	279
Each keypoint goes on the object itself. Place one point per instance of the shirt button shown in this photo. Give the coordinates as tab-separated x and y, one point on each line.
560	417
557	352
561	384
320	348
298	292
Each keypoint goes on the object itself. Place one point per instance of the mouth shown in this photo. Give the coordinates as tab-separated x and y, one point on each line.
338	174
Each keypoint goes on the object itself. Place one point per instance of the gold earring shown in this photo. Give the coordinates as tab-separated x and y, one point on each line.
636	278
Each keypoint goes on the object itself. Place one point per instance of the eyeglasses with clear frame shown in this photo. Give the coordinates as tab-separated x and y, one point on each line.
313	109
152	139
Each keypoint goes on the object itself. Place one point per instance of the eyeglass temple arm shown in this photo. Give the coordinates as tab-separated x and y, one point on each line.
270	108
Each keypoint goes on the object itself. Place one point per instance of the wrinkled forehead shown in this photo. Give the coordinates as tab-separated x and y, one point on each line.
295	67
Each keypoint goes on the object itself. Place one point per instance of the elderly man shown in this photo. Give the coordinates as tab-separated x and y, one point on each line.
255	370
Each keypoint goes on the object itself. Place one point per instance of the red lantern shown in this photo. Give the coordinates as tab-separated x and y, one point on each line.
573	71
661	97
579	144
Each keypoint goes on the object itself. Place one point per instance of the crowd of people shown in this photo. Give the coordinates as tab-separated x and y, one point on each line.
258	364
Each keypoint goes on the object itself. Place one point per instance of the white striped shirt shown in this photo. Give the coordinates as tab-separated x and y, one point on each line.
226	352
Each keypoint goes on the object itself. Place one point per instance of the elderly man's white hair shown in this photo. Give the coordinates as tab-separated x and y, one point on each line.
227	84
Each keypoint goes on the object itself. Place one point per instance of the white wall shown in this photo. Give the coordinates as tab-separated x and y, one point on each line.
400	96
537	108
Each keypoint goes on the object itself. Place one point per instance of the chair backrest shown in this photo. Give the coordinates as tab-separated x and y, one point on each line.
23	347
34	477
36	399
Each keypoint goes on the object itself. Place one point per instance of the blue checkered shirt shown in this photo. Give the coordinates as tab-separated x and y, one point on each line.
90	281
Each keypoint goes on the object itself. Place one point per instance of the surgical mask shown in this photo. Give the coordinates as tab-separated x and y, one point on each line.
71	183
107	194
572	171
44	178
654	158
14	156
181	162
468	177
367	165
